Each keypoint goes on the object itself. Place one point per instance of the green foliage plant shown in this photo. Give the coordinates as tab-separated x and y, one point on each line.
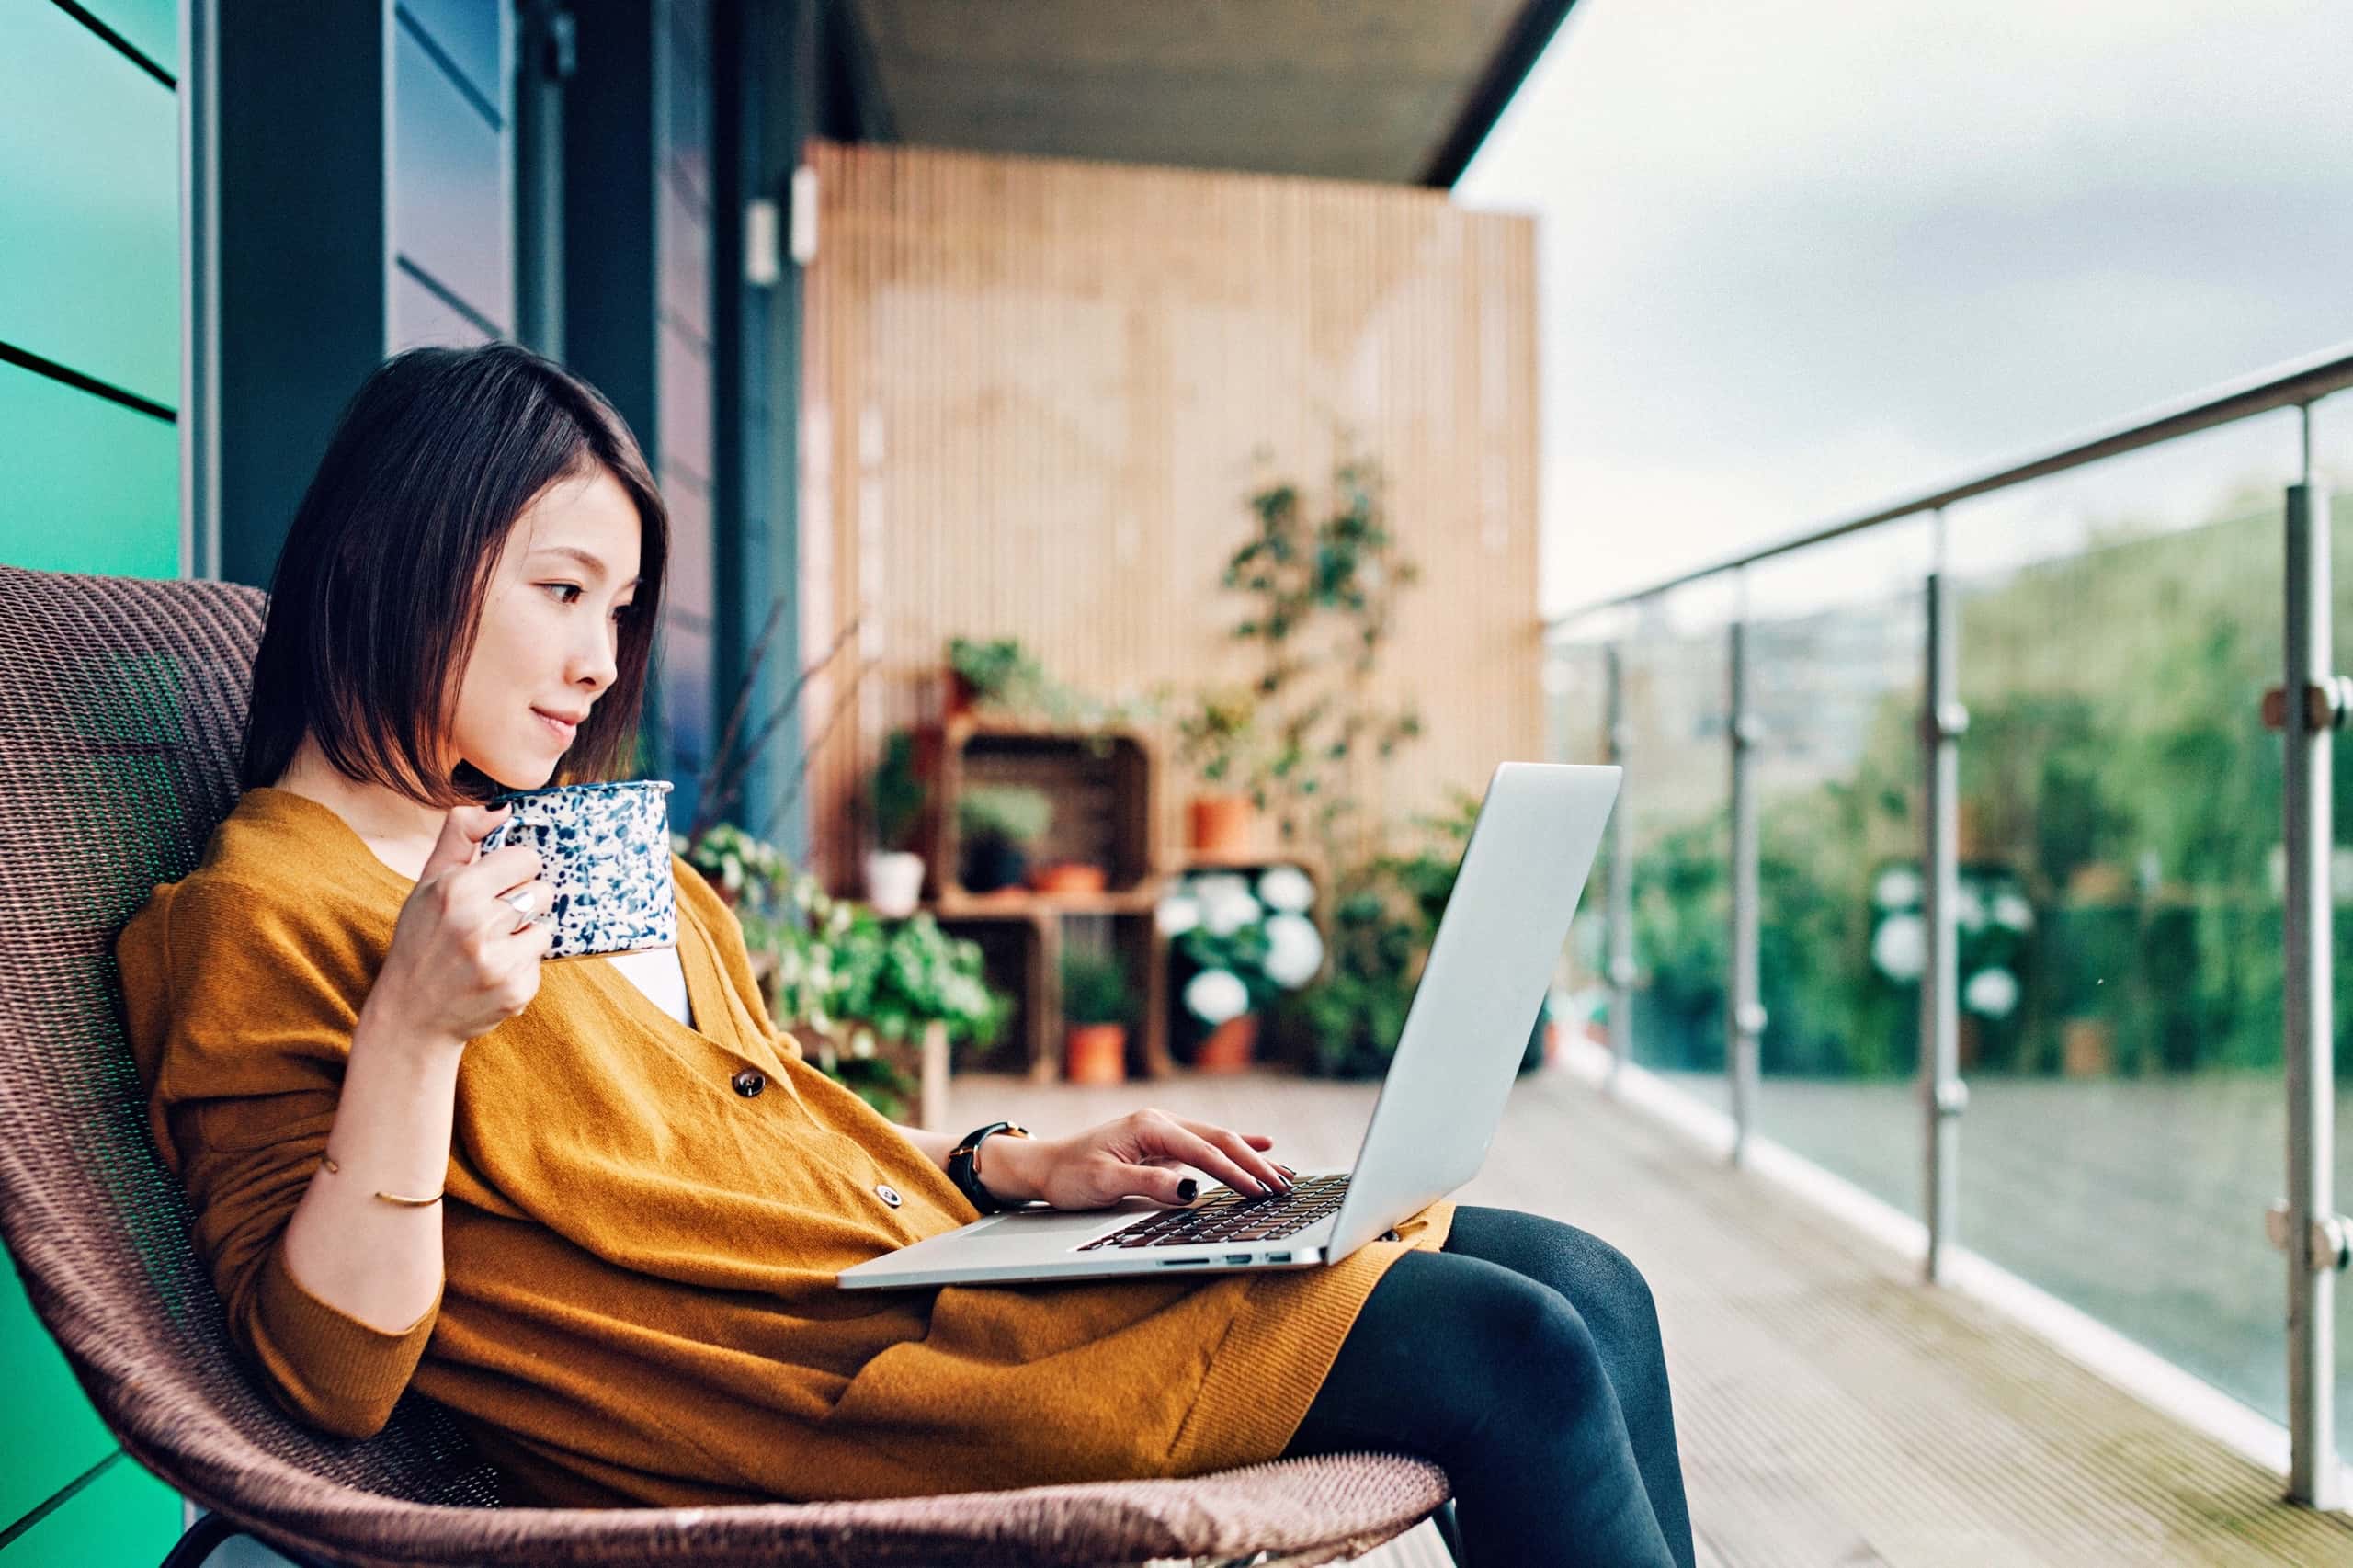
2117	770
897	793
1009	813
894	977
1323	585
1005	676
1241	951
732	861
1218	740
1095	989
996	670
1324	581
1385	915
843	978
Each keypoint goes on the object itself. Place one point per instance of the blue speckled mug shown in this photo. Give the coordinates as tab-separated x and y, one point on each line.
605	848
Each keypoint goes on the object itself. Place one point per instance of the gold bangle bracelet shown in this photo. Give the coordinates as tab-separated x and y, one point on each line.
405	1201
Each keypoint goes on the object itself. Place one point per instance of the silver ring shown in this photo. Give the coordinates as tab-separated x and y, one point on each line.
519	901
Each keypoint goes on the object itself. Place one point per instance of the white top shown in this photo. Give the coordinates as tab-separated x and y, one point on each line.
658	973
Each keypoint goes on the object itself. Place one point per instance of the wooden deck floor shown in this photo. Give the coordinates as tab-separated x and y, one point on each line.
1830	1410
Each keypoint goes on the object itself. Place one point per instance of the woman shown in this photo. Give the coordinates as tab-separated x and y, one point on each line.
596	1208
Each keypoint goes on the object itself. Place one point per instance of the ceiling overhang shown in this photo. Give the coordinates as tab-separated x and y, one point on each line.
1400	92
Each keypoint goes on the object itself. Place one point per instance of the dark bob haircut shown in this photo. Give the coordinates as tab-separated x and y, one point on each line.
378	590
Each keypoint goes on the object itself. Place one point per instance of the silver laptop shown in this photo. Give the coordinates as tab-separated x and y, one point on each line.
1489	965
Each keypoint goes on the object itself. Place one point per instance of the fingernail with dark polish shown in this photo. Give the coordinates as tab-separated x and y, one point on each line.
1187	1189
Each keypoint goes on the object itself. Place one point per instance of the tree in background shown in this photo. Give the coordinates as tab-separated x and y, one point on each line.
2116	764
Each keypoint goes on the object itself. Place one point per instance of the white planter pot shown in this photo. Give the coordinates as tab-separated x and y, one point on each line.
894	883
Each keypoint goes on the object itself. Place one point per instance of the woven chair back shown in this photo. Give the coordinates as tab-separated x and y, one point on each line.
122	707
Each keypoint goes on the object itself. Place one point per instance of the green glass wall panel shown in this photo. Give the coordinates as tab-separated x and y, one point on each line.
85	485
54	1434
151	26
89	204
89	278
124	1516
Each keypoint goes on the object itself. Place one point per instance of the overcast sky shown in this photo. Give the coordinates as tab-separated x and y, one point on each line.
1804	256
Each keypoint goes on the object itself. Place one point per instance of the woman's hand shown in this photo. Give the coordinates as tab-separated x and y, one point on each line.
466	951
1137	1157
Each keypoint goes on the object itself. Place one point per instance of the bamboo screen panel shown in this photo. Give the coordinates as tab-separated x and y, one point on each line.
1037	394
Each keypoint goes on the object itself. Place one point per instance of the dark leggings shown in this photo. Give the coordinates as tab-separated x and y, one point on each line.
1524	1361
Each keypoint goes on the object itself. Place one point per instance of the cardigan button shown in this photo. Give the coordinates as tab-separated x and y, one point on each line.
750	1082
887	1193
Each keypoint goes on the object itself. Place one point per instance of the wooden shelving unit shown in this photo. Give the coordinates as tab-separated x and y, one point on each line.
1104	783
1036	931
1105	786
1018	902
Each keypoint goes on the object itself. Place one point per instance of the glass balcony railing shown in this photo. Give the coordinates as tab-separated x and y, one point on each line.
1836	635
2332	449
2122	987
1674	714
2118	988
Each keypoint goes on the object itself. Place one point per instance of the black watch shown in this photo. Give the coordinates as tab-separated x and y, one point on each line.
965	1156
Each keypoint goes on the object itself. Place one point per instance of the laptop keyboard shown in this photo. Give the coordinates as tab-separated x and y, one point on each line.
1229	1216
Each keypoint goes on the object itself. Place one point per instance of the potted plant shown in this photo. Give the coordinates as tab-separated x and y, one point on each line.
890	978
996	671
1385	915
894	871
1095	1007
997	823
1001	674
844	980
1239	948
1218	740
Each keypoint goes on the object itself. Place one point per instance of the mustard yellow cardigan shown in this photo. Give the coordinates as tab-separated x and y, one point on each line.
639	1301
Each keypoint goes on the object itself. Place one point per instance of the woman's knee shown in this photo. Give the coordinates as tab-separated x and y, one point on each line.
1452	1354
1536	1354
1604	1286
1614	1291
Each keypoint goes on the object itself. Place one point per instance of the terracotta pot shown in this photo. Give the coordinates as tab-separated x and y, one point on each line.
2087	1048
1972	834
1221	823
961	697
1096	1053
1230	1047
2098	882
1067	876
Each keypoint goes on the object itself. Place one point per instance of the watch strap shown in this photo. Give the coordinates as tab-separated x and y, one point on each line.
963	1163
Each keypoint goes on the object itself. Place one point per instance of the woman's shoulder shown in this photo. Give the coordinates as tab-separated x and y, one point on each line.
269	884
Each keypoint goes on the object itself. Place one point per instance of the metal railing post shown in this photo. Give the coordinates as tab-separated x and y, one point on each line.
2310	704
1743	1014
1619	962
1943	1096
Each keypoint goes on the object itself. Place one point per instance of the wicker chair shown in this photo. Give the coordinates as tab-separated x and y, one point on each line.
120	706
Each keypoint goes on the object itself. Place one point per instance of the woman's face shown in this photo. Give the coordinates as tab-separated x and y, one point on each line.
551	629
